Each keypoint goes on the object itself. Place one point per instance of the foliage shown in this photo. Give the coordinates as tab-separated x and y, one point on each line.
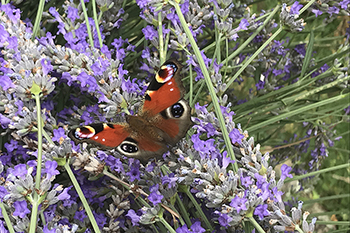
276	70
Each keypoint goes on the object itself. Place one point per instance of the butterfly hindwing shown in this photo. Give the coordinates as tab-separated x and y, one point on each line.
175	121
162	121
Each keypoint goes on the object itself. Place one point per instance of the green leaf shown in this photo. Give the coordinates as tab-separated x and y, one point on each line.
308	54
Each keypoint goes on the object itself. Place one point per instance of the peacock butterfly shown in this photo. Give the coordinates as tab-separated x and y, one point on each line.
162	120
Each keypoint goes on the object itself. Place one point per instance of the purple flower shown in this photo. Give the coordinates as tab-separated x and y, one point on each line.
260	85
2	227
115	164
261	211
48	40
129	86
48	105
47	67
134	172
64	194
155	196
259	179
246	181
3	192
172	16
13	43
50	169
4	35
87	80
46	230
20	170
278	194
150	167
285	169
208	128
10	147
59	135
6	82
149	32
183	229
21	209
224	219
100	219
204	147
13	14
72	13
142	3
236	136
170	180
294	10
300	48
344	4
226	160
317	12
69	37
101	155
239	203
265	191
277	72
50	213
80	215
243	24
333	9
97	69
196	227
56	15
134	217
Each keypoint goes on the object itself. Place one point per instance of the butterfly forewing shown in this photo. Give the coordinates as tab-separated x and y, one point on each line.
162	121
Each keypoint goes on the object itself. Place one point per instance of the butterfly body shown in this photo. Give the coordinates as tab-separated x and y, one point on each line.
162	120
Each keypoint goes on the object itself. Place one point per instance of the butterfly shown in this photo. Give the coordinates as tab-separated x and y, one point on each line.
162	120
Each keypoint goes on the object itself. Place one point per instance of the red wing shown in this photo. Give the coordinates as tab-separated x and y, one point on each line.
164	97
164	90
175	121
102	134
140	147
169	126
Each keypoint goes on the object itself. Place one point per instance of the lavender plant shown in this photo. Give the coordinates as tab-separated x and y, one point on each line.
247	70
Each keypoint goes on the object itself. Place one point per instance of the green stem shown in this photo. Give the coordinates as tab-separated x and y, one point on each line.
38	17
246	43
238	73
34	214
6	218
48	138
96	22
167	225
329	169
297	111
335	223
36	201
86	17
306	6
298	229
82	197
323	199
256	225
191	86
162	53
208	83
186	190
184	213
